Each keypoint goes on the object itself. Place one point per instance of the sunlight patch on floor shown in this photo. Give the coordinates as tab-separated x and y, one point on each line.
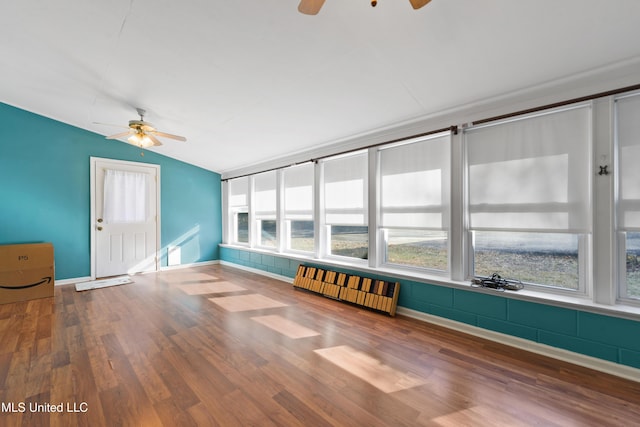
477	416
370	369
285	326
246	302
210	288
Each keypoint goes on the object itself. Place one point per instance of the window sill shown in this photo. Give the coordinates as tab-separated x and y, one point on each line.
566	301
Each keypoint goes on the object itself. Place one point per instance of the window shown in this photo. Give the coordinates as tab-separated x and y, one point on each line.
239	210
298	208
529	196
265	201
628	206
346	205
414	202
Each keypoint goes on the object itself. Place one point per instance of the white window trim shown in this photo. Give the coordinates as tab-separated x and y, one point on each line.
584	246
379	233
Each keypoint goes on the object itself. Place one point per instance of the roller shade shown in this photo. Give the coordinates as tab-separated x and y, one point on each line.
415	184
264	186
298	192
531	173
238	192
345	190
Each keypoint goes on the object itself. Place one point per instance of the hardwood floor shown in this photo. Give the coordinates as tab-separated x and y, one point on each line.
218	346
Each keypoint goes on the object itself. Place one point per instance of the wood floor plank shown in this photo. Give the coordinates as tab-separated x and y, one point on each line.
218	346
153	385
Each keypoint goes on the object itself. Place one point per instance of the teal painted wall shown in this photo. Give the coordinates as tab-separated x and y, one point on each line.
44	192
605	337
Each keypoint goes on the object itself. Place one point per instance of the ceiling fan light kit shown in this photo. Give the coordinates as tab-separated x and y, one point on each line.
143	134
312	7
141	140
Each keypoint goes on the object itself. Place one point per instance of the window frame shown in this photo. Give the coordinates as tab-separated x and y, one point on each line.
325	227
258	217
444	208
583	288
235	209
287	220
620	231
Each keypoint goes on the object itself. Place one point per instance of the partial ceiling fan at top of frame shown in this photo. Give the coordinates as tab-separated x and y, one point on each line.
312	7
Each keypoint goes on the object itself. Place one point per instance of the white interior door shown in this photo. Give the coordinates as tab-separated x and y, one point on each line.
124	218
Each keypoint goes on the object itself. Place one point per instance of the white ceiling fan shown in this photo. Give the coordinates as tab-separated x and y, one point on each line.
312	7
144	134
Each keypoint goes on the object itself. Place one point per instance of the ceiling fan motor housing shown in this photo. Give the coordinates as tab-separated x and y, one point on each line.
141	125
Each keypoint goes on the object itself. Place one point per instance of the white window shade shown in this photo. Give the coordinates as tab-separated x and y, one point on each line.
628	127
531	173
238	192
298	192
264	196
415	184
345	190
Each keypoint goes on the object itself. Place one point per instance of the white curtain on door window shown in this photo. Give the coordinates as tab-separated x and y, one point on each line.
125	196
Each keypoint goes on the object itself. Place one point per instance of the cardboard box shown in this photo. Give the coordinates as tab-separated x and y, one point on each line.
26	272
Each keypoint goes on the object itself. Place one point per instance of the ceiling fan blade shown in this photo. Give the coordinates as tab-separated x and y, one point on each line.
417	4
155	140
310	7
119	135
168	135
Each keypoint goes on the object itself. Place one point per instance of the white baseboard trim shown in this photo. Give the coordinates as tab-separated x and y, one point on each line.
594	363
257	271
72	281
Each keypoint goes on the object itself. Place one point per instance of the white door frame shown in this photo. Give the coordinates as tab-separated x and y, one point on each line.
93	218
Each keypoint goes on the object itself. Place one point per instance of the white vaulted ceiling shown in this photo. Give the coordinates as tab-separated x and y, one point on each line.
251	81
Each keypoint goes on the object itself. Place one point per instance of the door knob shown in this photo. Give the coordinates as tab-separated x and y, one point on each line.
99	219
99	228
